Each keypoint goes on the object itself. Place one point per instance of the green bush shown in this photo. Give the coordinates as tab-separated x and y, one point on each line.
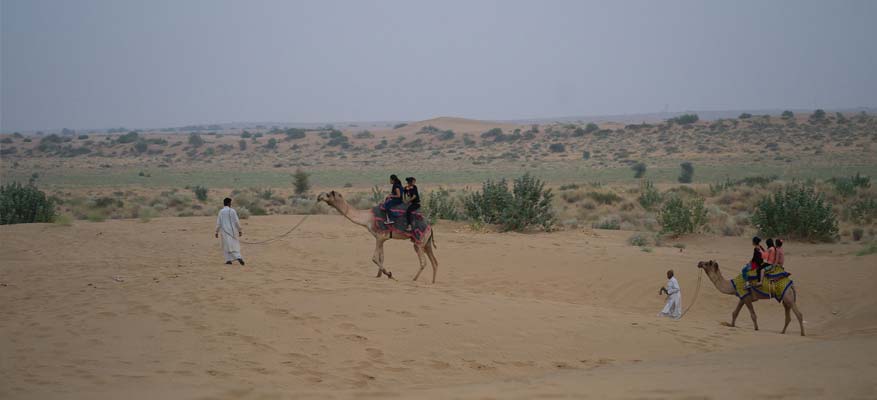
129	137
649	196
440	204
195	140
557	148
862	212
679	216
846	186
272	144
295	133
604	198
797	212
301	182
638	240
141	146
687	173
200	193
788	114
684	119
527	204
745	116
20	204
639	170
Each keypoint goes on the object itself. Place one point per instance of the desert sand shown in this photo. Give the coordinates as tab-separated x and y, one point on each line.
126	309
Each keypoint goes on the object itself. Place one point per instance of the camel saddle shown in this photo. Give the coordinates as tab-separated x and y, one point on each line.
419	226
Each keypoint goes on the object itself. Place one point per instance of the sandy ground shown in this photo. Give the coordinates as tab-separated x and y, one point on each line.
125	309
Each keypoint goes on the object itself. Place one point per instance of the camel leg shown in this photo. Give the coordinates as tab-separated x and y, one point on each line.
736	313
420	257
432	260
793	303
788	316
752	314
378	258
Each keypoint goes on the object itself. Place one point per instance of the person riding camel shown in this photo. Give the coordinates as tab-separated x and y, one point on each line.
752	270
412	197
395	197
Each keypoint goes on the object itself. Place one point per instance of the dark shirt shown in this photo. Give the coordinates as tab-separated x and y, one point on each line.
413	192
396	191
757	259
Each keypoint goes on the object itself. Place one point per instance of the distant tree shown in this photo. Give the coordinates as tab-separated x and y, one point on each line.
129	137
67	132
818	115
684	119
246	134
687	174
242	144
841	119
557	148
591	127
586	155
788	114
295	133
200	193
301	182
195	140
745	116
141	146
397	126
272	144
639	170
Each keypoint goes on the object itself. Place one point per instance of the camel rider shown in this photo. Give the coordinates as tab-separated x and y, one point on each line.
752	270
413	200
395	197
777	270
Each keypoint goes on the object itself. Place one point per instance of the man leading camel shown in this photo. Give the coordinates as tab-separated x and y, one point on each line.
229	225
673	308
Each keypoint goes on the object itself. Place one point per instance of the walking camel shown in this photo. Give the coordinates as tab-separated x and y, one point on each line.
366	219
723	285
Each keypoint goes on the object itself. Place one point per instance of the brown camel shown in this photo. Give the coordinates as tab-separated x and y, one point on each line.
715	274
365	218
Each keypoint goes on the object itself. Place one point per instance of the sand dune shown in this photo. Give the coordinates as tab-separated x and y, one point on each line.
148	310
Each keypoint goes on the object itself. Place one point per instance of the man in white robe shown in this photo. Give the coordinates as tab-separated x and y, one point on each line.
673	308
229	226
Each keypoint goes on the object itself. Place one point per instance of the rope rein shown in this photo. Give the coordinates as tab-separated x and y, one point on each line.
281	236
696	292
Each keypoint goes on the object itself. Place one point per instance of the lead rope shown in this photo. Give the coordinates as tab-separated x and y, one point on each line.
696	292
281	236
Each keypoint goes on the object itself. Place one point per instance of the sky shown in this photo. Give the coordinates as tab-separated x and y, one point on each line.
157	63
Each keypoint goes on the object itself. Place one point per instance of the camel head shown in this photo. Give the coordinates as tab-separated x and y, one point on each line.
332	198
708	266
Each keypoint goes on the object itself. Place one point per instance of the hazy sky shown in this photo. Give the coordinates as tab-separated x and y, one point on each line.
149	63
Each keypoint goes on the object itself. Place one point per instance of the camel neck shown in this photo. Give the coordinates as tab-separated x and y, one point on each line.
351	214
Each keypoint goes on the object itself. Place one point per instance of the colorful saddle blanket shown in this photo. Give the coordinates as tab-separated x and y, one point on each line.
773	288
420	229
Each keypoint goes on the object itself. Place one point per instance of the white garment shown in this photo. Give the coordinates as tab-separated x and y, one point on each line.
228	227
673	308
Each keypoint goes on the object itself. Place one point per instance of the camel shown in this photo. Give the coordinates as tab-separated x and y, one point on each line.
365	218
723	285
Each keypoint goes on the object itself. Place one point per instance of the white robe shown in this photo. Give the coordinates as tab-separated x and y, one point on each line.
673	308
228	227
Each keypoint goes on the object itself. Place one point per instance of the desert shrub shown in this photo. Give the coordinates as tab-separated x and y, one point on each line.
108	202
377	195
788	114
572	197
242	144
266	194
527	204
195	140
798	212
63	220
687	173
246	135
557	148
638	239
649	196
397	126
96	216
745	116
591	127
23	204
272	144
862	211
6	140
610	222
570	186
817	115
639	170
294	133
492	133
301	182
364	135
141	146
146	214
679	216
604	198
440	204
684	119
847	186
586	155
243	212
129	137
200	193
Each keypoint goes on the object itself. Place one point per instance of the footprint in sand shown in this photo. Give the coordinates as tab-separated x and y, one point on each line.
353	338
374	353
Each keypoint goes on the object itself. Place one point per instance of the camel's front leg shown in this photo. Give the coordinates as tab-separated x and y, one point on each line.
752	314
378	258
736	313
420	257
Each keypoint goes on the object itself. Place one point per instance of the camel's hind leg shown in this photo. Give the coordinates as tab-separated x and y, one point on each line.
430	252
736	312
793	302
752	314
420	257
